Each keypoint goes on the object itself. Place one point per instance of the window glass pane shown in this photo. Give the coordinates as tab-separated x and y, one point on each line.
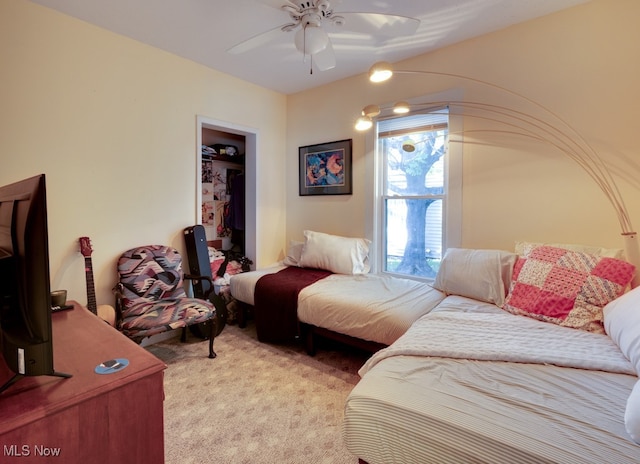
413	150
413	236
414	163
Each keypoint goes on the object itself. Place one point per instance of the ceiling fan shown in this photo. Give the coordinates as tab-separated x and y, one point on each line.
312	19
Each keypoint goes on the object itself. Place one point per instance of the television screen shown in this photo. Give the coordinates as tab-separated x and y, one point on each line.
25	293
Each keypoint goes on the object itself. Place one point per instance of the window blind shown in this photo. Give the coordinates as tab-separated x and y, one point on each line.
427	120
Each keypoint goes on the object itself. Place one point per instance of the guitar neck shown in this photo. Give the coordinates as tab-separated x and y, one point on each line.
91	291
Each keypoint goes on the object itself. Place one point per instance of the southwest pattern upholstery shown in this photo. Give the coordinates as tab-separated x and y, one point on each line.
151	296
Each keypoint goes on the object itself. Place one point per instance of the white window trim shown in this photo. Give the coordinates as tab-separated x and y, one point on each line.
453	186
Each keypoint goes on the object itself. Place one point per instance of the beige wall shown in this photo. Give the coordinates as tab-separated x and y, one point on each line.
112	123
582	63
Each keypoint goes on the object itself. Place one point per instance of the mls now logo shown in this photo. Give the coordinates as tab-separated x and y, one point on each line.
26	450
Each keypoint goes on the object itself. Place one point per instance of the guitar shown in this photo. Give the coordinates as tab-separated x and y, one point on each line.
104	312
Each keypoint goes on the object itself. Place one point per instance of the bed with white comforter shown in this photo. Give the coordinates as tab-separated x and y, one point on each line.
351	304
364	306
505	389
473	383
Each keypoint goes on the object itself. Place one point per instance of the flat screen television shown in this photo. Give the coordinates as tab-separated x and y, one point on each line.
25	289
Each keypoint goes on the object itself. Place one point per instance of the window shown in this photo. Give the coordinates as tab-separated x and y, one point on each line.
414	174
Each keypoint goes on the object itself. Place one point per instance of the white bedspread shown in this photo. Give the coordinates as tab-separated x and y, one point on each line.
243	285
366	306
495	335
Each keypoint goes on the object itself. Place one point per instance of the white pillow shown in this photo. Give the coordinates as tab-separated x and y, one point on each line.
483	275
341	255
622	324
632	414
523	248
294	253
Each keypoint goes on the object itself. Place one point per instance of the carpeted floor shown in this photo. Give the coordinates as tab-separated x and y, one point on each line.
255	403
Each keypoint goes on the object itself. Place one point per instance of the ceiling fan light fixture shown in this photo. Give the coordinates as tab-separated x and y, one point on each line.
402	107
380	71
311	39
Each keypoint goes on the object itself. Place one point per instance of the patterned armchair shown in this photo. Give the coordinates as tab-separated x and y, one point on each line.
150	297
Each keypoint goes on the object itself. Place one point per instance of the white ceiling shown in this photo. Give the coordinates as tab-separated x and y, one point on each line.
203	30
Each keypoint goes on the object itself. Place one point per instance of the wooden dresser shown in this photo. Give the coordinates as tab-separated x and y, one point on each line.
88	418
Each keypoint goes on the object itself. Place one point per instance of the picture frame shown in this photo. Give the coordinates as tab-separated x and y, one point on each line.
325	168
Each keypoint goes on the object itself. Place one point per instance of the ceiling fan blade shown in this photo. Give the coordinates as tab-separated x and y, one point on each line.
256	41
379	24
326	59
277	3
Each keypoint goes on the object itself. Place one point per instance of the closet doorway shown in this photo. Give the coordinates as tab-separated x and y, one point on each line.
226	185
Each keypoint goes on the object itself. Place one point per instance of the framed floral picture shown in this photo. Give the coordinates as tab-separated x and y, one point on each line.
325	169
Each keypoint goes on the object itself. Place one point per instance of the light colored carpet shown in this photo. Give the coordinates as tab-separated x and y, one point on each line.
255	403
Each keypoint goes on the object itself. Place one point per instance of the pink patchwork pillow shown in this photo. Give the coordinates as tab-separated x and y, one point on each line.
567	288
